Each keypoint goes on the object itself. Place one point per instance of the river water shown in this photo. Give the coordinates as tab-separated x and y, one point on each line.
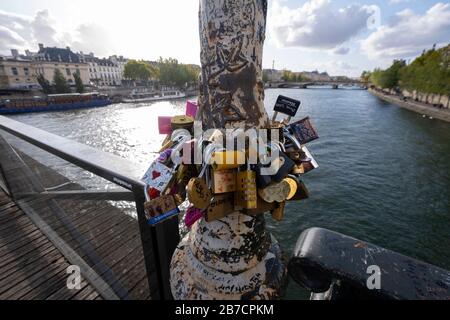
384	173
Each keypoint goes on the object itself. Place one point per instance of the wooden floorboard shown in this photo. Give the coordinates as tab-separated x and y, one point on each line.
31	267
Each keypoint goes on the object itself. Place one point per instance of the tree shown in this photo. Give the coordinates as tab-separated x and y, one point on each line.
45	84
140	71
78	82
365	76
60	83
173	73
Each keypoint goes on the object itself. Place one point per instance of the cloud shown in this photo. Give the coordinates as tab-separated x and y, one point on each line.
91	37
341	51
316	24
408	33
24	32
398	1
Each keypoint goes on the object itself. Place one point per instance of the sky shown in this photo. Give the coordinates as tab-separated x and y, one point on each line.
341	37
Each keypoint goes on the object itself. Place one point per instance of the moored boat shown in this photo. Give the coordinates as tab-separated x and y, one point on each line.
54	102
150	97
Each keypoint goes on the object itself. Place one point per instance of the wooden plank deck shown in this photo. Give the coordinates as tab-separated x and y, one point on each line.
32	267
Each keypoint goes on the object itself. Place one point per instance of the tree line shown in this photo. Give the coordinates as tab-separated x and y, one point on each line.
60	84
428	73
165	71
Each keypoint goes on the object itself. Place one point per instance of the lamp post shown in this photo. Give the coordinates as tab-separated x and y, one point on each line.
234	257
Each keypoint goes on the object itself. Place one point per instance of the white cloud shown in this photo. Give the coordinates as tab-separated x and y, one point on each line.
23	32
316	24
409	33
341	50
398	1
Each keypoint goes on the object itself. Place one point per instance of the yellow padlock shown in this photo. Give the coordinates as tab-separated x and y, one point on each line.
227	160
246	196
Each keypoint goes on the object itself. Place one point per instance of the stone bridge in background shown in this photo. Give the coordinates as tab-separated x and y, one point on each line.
353	84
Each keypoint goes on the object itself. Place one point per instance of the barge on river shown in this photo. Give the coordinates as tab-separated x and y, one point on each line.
54	102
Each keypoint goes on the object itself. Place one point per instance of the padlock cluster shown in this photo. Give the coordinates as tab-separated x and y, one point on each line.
228	180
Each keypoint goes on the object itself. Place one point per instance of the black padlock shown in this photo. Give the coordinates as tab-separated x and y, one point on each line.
279	167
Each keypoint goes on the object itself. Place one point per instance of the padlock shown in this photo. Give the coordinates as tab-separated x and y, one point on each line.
278	212
157	179
182	122
308	162
198	193
298	169
284	165
223	181
287	106
246	192
262	207
302	192
221	205
161	208
192	215
276	192
226	160
292	186
303	131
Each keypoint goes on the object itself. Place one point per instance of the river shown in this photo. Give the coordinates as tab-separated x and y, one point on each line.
384	173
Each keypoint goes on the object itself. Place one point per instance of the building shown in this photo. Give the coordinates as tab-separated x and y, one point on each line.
48	59
316	76
17	72
273	75
104	72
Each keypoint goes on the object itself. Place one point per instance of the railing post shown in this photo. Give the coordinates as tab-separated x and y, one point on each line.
158	244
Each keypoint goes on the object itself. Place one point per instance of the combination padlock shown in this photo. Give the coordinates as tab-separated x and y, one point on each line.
246	192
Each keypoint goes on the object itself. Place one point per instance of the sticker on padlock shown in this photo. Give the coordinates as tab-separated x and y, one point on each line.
226	160
280	166
276	192
246	192
224	181
278	212
286	106
198	193
157	179
193	214
161	208
221	205
303	131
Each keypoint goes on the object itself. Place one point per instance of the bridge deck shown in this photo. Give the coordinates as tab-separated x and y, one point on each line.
33	267
30	265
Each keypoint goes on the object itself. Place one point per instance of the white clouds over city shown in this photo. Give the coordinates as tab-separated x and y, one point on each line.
409	33
301	34
315	24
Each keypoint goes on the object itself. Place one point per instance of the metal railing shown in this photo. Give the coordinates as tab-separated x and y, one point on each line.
158	242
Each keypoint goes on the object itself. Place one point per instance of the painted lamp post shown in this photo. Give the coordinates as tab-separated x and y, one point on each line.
234	257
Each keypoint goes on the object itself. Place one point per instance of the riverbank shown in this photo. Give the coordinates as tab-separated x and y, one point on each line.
418	107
